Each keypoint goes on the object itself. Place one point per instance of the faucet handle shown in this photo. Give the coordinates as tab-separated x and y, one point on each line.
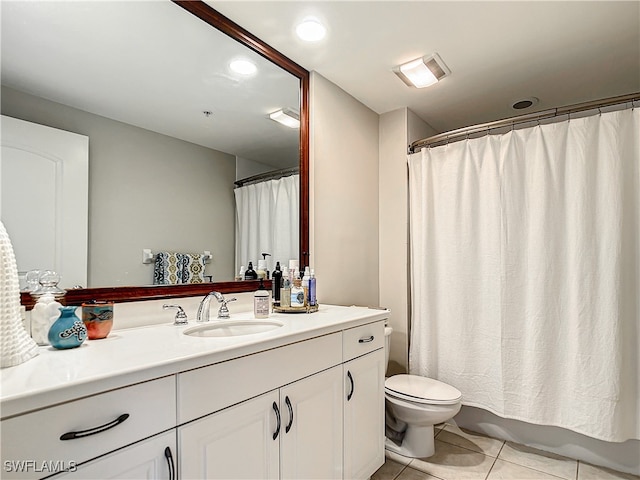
181	316
223	311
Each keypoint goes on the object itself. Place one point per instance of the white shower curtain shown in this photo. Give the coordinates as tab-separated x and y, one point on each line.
267	220
525	271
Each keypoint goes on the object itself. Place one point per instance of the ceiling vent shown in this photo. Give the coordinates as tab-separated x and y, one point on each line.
422	72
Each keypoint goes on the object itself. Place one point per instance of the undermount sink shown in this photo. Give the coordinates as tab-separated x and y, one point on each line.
233	328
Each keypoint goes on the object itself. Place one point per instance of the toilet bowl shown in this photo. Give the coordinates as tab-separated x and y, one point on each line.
421	403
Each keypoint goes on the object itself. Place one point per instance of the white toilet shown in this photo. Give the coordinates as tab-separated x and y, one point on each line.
421	403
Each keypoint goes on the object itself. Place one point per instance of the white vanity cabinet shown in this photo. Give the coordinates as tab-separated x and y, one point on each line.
37	444
294	430
306	404
150	459
364	371
291	433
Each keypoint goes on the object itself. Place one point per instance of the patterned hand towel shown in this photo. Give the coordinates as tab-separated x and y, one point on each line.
193	268
168	268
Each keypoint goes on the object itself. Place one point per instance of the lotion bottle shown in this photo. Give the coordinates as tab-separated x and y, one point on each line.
250	273
312	289
276	284
261	302
298	294
285	293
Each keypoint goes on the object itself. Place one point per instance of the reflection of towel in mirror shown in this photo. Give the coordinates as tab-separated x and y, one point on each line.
173	268
394	428
193	268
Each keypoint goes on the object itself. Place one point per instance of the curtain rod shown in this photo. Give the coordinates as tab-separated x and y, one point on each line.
262	177
460	133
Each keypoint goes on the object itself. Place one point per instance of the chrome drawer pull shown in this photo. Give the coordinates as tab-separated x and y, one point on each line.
366	340
94	430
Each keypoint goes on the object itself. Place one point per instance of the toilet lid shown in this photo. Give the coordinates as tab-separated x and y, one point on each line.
415	388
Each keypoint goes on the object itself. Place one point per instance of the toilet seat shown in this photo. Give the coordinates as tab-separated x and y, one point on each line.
417	389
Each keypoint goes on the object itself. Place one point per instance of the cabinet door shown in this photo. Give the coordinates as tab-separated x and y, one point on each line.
152	459
237	442
311	444
364	415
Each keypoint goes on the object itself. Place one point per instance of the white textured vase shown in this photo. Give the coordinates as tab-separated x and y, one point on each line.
17	345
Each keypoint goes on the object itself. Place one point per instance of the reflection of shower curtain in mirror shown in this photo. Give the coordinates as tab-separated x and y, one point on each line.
267	219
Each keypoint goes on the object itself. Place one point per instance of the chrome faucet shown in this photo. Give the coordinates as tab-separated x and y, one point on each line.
205	307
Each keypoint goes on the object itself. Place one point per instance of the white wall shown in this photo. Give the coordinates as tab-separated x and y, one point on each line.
344	196
146	190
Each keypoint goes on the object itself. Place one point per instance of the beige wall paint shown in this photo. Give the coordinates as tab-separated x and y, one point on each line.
397	130
344	196
146	190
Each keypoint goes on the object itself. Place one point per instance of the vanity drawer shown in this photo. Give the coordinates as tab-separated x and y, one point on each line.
363	339
212	388
93	426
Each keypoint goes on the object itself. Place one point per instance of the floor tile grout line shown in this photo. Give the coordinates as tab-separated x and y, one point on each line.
474	451
577	469
535	469
495	460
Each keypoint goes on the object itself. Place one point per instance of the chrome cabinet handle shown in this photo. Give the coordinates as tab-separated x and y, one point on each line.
290	407
277	410
366	339
353	385
170	463
94	430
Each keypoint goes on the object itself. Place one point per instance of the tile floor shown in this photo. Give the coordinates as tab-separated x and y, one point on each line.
465	455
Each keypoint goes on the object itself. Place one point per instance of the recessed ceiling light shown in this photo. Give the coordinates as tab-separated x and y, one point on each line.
422	72
243	67
525	103
311	30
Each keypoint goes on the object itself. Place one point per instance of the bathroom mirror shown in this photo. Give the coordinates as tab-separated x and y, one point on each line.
201	14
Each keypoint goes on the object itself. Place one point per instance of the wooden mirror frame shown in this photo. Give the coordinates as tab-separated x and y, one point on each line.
156	292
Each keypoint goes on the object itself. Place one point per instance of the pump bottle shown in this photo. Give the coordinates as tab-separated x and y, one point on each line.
261	302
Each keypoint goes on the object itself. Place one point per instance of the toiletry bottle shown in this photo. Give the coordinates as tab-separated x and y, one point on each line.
312	289
297	294
250	273
285	293
266	269
261	302
261	271
240	275
305	283
276	283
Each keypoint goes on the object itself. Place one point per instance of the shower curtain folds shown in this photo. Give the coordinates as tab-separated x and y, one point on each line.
267	219
525	272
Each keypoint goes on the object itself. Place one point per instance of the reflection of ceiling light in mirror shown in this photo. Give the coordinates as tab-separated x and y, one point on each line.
311	30
422	72
287	117
243	67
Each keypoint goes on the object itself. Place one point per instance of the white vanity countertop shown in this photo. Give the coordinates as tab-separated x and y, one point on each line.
139	354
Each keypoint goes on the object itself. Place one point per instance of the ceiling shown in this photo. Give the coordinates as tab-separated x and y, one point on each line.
498	52
150	64
109	59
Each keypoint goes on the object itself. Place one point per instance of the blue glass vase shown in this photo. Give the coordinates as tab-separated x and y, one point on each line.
68	331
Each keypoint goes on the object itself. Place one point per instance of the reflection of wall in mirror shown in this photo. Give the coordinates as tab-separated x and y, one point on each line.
146	190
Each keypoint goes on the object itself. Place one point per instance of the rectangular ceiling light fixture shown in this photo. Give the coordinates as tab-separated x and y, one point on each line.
286	116
422	72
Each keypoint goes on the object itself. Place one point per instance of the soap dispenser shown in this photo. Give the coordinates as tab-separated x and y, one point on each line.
261	302
250	273
276	283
